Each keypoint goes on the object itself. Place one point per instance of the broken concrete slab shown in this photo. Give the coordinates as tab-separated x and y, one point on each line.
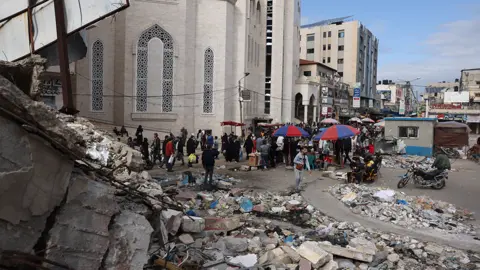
222	224
314	253
304	264
129	242
172	220
186	239
293	254
40	115
236	244
80	236
193	224
276	257
331	265
351	253
33	181
25	74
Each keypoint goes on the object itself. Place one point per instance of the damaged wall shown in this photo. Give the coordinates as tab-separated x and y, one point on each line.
51	208
33	181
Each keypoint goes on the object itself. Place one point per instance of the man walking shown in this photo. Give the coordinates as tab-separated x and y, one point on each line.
265	152
347	148
156	149
300	162
208	162
169	152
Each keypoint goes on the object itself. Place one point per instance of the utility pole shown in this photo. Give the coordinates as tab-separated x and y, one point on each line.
240	99
68	104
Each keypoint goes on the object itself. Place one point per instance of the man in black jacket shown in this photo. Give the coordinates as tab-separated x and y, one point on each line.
208	161
347	148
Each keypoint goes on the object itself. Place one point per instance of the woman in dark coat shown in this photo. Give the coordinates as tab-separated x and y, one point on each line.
237	147
248	145
224	142
273	152
229	155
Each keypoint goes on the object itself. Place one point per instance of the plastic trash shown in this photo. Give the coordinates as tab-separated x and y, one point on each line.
289	239
191	213
246	205
386	195
402	202
214	204
325	231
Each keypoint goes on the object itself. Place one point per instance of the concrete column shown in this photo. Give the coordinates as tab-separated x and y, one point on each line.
315	116
305	114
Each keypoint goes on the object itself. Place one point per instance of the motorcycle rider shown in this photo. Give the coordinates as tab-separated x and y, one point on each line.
441	163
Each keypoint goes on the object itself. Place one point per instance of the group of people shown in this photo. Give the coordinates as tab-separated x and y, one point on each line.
272	150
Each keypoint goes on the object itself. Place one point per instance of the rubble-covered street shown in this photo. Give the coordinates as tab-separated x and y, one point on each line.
407	211
75	198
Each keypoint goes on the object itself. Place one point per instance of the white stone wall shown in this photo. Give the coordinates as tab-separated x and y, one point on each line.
104	32
234	32
214	21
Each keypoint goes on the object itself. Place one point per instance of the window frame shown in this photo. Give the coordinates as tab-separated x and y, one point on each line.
417	129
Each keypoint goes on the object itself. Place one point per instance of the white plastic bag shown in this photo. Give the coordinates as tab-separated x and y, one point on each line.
171	159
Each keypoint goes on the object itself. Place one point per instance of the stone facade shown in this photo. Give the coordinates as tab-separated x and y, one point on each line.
175	63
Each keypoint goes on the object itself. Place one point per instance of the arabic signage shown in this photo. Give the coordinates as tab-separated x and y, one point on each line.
356	97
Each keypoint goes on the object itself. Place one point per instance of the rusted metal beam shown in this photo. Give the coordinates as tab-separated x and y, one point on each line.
30	26
68	104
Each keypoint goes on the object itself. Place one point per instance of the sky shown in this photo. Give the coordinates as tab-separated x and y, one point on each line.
430	39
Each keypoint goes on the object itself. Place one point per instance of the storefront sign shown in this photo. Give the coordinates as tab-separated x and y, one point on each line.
356	97
401	110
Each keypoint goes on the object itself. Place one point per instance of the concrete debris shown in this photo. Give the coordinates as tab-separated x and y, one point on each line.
248	260
406	161
186	239
80	235
407	211
313	253
193	224
129	242
359	254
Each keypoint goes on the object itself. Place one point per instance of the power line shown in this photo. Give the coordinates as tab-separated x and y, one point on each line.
160	96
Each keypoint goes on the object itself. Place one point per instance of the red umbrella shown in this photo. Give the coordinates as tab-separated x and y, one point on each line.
291	131
232	123
336	132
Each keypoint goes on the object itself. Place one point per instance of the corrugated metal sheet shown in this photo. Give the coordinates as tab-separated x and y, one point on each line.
14	36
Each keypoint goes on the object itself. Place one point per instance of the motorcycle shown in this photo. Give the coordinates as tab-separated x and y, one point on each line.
421	178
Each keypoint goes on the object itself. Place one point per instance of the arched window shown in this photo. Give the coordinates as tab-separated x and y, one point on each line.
208	81
258	13
97	76
143	70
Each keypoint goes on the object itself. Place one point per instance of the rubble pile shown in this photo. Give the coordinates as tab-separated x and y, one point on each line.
264	230
406	161
407	211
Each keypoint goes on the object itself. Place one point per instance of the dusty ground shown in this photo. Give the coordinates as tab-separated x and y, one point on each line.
463	186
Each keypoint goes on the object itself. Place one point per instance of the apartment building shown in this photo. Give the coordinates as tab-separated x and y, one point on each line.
347	46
